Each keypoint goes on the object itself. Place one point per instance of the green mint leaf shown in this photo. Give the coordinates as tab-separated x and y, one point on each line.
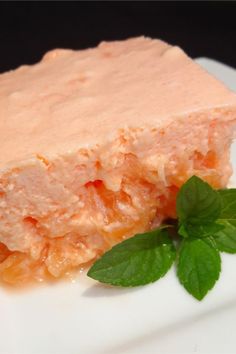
210	240
139	260
203	230
226	239
199	267
228	202
197	202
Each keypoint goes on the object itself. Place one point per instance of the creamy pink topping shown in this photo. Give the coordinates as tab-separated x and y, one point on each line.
76	99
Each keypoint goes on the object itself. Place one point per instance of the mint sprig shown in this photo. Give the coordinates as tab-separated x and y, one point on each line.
206	225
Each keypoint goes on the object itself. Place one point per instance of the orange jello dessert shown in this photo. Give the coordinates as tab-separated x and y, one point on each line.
95	145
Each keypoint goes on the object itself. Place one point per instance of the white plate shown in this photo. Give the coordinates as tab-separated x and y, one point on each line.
86	318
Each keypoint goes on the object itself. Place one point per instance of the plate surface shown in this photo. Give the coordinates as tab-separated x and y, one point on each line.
86	318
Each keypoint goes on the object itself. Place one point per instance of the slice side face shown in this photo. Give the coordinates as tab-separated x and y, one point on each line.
57	215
